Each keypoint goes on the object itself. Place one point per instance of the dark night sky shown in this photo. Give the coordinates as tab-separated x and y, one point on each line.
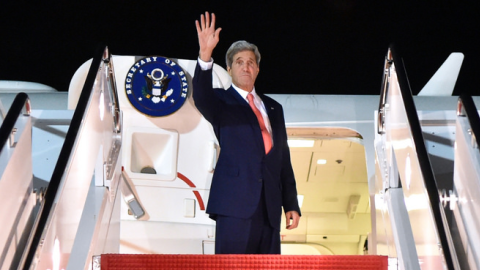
321	47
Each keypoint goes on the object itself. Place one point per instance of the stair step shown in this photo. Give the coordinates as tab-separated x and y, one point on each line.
272	262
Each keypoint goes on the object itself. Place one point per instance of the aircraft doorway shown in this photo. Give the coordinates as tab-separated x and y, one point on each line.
332	183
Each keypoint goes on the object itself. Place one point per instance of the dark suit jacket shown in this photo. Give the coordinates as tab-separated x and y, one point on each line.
243	167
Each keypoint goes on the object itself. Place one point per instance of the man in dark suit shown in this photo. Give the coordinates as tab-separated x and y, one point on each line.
253	178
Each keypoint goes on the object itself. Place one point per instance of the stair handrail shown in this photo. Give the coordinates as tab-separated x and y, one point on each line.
423	158
466	107
20	106
48	202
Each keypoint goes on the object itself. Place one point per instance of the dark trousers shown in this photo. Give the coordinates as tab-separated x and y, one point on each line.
247	236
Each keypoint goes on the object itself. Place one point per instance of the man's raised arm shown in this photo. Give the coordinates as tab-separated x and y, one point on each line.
203	94
207	36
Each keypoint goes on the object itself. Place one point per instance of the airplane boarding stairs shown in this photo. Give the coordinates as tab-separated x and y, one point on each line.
426	216
79	214
18	204
463	199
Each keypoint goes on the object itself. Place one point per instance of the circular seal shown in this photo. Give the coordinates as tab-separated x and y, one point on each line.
156	86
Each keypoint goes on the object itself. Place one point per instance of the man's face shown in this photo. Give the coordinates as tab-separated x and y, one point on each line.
244	70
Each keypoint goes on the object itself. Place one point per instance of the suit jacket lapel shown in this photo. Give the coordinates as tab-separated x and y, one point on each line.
250	115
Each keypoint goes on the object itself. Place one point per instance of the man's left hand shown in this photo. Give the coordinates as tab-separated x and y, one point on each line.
292	219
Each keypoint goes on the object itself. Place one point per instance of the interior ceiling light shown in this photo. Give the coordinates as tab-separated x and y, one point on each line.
301	143
322	161
300	200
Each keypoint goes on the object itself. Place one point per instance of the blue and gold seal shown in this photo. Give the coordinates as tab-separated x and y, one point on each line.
156	86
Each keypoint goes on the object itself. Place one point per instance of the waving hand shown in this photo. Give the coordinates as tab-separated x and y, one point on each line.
207	36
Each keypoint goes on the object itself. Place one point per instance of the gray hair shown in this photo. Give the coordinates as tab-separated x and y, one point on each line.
239	46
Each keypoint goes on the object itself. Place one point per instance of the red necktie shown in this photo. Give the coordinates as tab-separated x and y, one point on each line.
267	140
